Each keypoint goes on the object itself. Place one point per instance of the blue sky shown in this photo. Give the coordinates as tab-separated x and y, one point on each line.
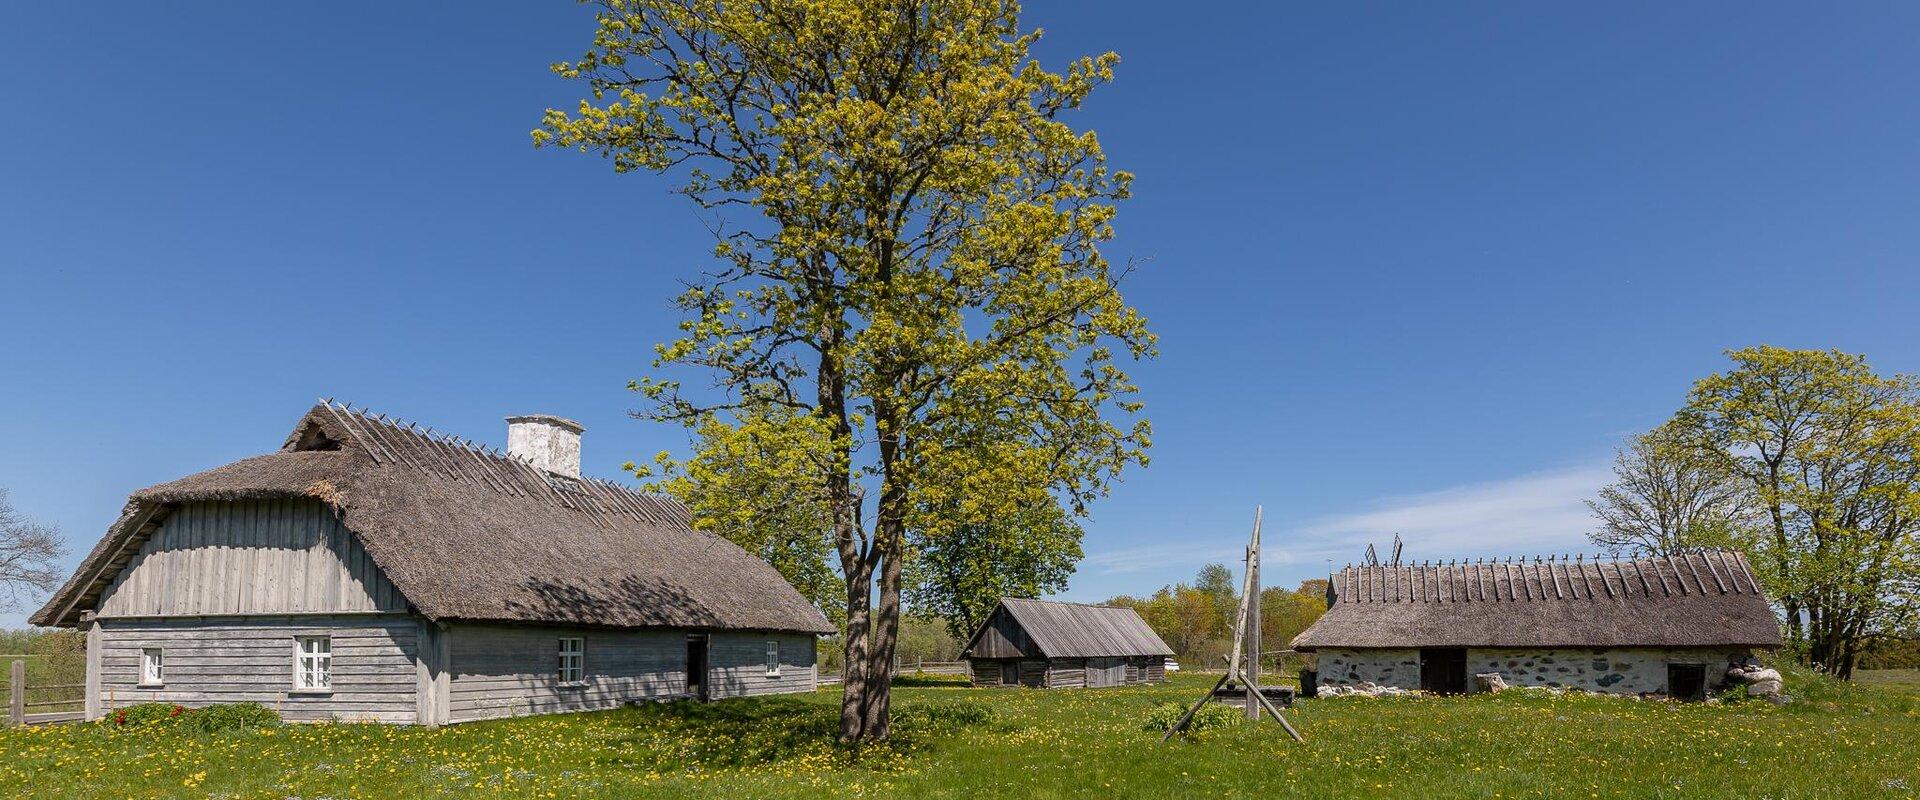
1415	268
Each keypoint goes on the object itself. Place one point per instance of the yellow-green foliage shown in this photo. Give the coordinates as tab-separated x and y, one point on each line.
912	333
1213	715
1839	741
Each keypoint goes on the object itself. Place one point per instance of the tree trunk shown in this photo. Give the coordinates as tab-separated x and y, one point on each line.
856	680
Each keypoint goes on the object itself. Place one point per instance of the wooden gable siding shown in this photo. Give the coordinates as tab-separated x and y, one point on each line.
250	557
1002	637
250	659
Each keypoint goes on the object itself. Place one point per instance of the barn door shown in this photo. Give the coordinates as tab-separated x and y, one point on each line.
1106	672
1443	670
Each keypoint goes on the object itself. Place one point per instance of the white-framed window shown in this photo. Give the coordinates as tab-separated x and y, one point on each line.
773	659
313	663
152	666
572	660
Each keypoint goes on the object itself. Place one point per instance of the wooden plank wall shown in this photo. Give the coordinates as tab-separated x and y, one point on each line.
740	664
250	557
511	671
1002	637
233	660
508	671
1065	673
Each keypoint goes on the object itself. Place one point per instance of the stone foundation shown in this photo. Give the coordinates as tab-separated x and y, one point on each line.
1611	670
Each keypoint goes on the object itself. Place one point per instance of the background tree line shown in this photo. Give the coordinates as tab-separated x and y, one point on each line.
1196	619
1808	462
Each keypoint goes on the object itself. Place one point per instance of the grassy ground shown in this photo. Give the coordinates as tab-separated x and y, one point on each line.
1898	680
957	742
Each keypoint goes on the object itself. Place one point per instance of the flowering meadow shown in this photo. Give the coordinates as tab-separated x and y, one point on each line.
960	742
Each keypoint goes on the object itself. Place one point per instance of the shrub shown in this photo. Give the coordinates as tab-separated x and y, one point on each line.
221	718
145	714
1210	716
229	717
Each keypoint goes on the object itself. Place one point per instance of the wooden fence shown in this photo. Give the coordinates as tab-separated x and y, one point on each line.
42	703
916	666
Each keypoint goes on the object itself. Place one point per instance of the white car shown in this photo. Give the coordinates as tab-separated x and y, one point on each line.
1172	665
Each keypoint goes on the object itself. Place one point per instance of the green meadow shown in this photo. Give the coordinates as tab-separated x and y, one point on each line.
954	741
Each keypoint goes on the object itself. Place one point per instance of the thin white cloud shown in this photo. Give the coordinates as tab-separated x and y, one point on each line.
1537	513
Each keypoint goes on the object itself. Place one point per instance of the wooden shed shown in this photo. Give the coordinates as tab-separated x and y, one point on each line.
370	570
1666	625
1049	644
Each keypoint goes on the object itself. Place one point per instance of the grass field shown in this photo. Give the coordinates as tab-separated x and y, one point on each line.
958	742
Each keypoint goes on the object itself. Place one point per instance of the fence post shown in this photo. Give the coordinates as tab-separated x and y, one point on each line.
17	692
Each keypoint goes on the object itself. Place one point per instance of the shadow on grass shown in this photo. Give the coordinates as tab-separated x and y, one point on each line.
765	731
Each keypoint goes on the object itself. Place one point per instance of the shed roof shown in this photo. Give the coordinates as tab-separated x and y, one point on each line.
1075	630
1698	599
469	533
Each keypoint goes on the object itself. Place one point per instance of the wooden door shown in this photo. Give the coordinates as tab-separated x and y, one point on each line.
1103	672
697	666
1443	670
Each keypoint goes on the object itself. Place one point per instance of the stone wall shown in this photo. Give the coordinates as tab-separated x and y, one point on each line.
1621	671
1382	667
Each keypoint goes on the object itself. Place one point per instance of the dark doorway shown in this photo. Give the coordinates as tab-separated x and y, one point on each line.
1443	670
1009	673
697	666
1687	681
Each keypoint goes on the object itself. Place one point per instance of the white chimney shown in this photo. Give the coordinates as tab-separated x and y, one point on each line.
548	442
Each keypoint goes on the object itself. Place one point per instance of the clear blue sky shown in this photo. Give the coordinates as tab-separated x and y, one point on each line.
1416	267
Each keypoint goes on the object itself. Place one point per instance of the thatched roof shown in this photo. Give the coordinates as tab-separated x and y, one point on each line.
1073	630
468	533
1701	599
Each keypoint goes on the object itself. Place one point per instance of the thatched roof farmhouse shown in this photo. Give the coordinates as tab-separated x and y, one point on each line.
1665	625
374	570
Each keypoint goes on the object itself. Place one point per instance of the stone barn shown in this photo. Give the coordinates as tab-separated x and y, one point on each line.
370	570
1665	625
1049	644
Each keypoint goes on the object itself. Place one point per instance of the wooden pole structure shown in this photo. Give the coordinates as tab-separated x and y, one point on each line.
1246	649
1251	668
17	694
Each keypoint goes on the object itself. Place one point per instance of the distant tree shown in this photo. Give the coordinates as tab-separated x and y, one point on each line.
1667	497
1831	452
912	300
1284	613
29	552
960	575
1217	582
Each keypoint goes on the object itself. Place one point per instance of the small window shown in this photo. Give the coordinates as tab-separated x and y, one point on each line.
313	663
571	651
773	659
152	667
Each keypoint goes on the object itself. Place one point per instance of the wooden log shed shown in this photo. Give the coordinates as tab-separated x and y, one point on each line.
1053	645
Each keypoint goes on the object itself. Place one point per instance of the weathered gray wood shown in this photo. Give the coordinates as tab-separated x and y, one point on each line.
94	638
430	674
251	659
503	671
251	557
738	662
17	693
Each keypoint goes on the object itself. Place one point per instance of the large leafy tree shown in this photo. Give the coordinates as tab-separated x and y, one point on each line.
911	298
958	575
1668	497
1831	451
